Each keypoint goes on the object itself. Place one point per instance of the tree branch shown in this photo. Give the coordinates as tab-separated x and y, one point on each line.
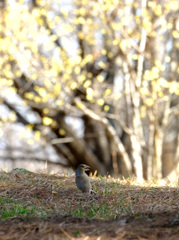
111	133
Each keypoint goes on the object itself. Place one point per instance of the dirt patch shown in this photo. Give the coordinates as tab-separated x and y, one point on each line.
153	227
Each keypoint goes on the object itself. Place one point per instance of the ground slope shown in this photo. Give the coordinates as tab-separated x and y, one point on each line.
41	206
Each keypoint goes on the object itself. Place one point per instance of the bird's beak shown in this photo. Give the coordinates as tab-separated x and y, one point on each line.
87	168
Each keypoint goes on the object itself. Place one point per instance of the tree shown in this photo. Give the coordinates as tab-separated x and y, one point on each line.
112	65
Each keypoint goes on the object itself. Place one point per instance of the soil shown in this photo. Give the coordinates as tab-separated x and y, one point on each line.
164	227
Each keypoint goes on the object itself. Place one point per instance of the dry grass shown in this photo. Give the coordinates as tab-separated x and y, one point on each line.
40	206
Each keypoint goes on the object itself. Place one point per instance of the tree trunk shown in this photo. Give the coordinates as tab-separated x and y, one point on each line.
157	154
134	122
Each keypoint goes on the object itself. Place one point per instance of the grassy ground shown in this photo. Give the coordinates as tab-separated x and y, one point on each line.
40	206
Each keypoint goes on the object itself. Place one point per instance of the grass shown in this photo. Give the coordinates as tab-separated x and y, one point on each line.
32	195
11	209
38	197
15	209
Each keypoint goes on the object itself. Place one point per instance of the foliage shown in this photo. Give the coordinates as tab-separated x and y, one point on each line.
112	64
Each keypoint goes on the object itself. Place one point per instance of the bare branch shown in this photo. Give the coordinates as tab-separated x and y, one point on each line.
111	133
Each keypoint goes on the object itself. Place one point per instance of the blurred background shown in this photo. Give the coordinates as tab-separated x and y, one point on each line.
90	81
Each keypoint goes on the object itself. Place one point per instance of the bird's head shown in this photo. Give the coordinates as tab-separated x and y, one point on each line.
82	168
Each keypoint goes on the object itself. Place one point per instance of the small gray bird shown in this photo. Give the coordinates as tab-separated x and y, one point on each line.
82	179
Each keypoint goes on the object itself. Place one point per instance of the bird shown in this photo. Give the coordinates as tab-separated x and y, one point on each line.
82	180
